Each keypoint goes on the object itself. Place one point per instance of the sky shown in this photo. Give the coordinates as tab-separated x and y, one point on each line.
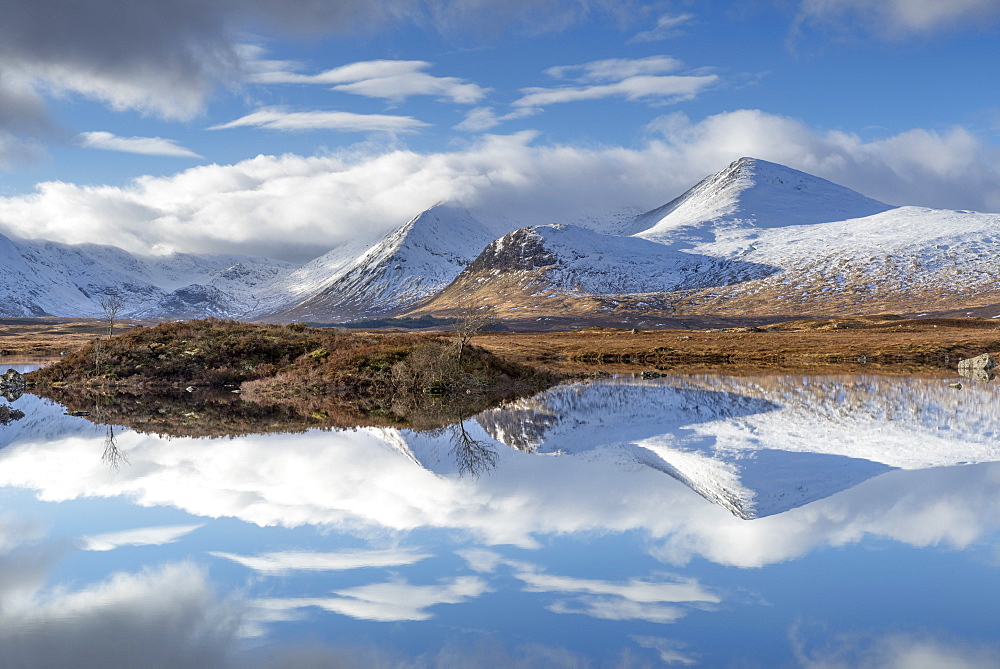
288	128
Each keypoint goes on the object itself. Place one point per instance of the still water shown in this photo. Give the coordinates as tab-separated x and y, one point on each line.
798	521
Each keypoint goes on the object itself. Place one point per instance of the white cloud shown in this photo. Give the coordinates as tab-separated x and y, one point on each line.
484	118
393	80
481	560
632	79
900	18
297	207
278	118
312	561
667	27
144	536
168	57
616	69
149	146
385	602
669	88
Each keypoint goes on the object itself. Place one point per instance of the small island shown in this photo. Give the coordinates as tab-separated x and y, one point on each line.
214	377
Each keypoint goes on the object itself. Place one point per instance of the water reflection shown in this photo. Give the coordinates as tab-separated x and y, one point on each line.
597	522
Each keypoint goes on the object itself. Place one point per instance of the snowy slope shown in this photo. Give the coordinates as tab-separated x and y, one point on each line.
407	265
752	193
914	256
47	278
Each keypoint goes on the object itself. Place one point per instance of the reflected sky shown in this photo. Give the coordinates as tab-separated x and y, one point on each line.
690	520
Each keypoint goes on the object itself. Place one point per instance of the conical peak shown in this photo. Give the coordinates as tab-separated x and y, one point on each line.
758	193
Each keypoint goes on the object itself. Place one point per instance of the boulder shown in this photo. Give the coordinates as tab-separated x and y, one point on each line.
12	385
978	368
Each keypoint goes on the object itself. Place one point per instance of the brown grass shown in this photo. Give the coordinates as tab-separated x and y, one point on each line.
886	343
823	344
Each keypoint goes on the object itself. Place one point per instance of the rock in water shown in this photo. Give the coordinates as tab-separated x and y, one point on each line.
978	368
12	385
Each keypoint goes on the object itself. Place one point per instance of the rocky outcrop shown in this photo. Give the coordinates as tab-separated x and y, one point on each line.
978	368
12	385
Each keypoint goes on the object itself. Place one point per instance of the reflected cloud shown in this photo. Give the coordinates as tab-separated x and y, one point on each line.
384	602
636	599
816	452
284	561
164	617
669	649
144	536
889	651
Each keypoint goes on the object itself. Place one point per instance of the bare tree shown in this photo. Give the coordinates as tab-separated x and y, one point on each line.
469	322
112	306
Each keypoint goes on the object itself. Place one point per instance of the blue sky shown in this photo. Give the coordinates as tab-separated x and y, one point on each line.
287	128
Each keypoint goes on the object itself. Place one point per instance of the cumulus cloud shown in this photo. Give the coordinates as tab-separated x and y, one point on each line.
296	207
899	18
149	146
279	118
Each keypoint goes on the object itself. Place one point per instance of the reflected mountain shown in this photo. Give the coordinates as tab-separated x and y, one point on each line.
758	446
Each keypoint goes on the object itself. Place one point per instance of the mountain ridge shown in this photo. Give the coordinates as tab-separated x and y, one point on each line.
756	241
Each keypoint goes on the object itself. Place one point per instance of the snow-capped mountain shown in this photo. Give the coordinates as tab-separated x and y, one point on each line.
407	265
753	194
755	241
565	260
47	278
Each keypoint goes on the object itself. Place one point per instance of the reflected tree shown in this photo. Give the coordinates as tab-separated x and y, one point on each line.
473	456
113	456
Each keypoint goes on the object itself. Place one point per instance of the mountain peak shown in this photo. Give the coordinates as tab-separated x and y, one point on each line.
755	193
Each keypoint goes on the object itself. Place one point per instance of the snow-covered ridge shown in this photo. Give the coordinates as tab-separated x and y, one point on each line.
47	278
